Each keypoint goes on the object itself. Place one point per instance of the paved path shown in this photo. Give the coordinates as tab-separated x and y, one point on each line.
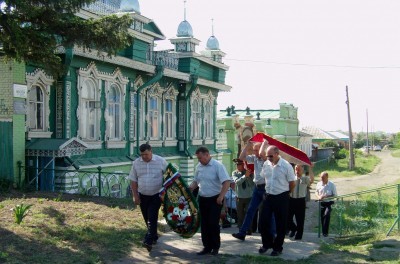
173	249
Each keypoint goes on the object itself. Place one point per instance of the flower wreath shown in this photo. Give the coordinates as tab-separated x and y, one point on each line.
179	205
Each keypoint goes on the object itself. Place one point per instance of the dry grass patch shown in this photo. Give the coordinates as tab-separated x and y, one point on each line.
68	229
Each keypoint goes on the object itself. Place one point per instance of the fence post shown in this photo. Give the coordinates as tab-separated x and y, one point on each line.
19	163
99	169
319	218
397	221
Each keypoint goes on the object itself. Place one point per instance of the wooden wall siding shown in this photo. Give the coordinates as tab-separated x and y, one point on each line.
206	72
139	50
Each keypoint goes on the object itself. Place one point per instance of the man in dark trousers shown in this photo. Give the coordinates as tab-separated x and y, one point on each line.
297	202
146	177
279	182
213	181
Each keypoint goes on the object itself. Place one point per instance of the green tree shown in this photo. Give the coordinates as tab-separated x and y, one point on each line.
336	148
32	30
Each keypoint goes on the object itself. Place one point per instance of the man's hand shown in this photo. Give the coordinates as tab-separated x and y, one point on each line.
220	200
136	199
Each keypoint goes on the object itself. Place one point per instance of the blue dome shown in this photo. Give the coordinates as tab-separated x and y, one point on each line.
212	43
130	6
184	29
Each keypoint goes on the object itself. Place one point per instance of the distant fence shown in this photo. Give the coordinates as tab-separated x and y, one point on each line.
70	180
368	212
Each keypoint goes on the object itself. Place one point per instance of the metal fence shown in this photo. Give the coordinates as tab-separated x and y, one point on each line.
89	182
368	212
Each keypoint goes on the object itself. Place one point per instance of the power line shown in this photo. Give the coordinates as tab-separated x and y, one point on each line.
316	65
296	64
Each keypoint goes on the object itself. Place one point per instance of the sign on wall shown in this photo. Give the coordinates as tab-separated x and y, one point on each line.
20	90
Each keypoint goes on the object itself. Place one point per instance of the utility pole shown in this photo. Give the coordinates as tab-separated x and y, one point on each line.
351	151
367	134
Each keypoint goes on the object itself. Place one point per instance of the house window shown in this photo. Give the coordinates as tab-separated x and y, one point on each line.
153	118
196	119
90	118
208	120
114	113
168	119
36	109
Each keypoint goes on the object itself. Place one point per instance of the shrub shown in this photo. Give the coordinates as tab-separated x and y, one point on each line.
20	211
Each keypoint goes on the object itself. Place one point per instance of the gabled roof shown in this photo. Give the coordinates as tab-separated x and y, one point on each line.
51	147
152	29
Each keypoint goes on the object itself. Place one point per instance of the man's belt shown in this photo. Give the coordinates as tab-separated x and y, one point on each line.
261	186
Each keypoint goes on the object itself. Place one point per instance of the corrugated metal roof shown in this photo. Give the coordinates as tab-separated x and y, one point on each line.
338	135
317	132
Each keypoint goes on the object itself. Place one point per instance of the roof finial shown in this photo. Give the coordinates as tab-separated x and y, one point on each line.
184	8
212	26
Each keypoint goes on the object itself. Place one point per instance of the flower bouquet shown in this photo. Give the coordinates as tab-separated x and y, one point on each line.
179	205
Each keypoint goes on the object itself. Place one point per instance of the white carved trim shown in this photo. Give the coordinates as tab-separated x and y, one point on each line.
170	143
44	82
115	144
197	142
94	144
39	134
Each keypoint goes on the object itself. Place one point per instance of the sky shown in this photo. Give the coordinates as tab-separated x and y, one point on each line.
301	52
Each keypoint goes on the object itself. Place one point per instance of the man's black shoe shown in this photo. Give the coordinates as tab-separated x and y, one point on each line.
262	250
147	246
214	252
239	236
204	252
275	253
292	233
325	235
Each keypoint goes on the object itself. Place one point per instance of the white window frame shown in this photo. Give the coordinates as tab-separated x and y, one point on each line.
39	79
154	114
209	138
170	93
114	114
168	118
89	110
92	76
208	121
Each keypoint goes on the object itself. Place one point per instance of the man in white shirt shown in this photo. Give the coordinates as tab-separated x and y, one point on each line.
147	176
279	182
325	189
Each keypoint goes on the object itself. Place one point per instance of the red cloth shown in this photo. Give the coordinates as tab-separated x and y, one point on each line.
288	152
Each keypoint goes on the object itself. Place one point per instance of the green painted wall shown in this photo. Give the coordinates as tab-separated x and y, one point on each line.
139	50
12	146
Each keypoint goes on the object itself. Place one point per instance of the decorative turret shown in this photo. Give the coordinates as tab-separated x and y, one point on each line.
212	49
130	6
185	42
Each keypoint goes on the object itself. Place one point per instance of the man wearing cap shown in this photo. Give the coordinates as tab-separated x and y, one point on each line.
244	187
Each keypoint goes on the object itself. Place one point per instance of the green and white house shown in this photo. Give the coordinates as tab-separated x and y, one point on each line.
104	108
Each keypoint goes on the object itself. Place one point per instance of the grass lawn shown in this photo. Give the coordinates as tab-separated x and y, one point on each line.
363	165
396	153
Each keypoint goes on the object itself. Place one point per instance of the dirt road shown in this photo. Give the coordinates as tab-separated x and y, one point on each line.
387	172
